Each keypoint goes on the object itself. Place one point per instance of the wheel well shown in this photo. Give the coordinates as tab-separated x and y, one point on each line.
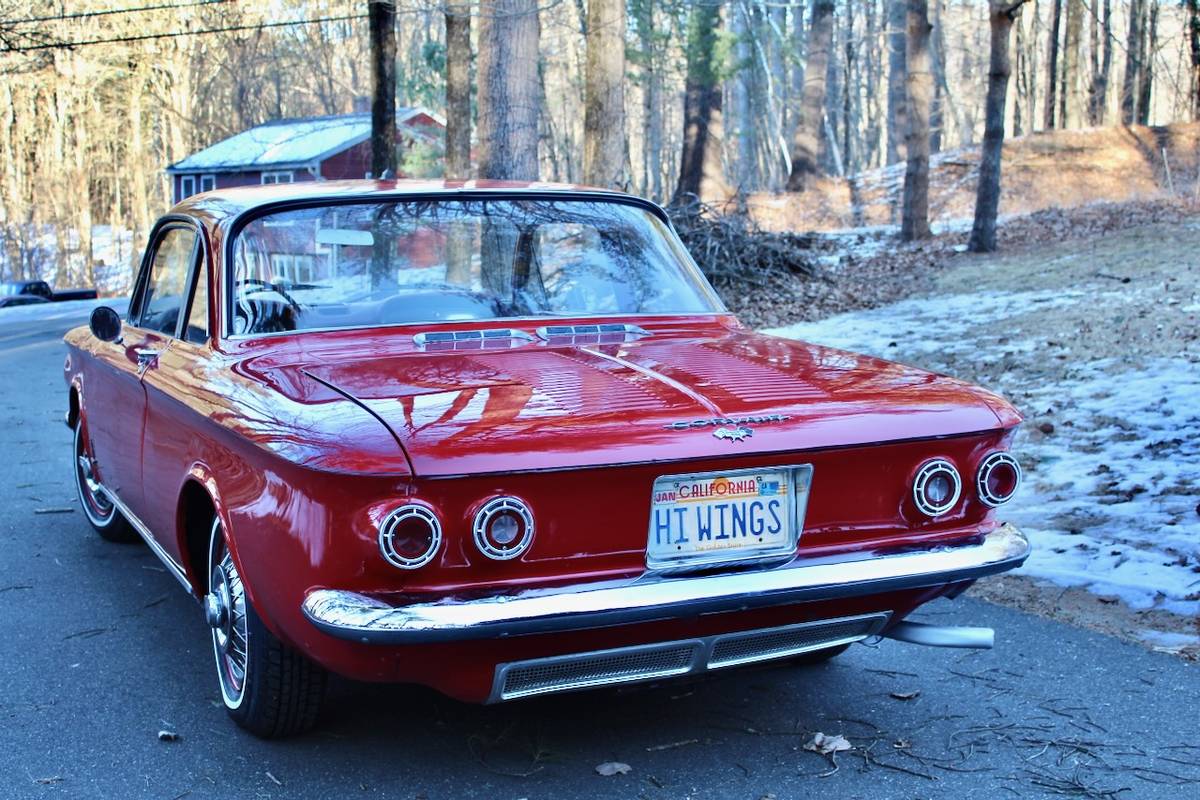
196	511
73	408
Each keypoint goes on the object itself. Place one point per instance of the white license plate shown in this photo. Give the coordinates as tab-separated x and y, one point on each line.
719	517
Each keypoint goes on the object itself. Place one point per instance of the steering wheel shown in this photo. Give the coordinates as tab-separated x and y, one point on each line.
276	288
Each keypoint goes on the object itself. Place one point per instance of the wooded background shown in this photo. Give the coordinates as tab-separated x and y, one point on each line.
665	98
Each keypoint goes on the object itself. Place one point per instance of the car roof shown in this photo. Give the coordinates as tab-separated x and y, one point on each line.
225	204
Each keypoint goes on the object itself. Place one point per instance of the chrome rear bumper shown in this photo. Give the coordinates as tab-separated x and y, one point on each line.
361	618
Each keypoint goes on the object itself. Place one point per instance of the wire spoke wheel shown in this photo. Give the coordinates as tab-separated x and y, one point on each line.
225	610
96	503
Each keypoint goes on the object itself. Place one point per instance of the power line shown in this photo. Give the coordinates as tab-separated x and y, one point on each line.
111	11
175	34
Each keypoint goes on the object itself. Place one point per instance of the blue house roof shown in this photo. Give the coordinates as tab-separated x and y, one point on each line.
285	144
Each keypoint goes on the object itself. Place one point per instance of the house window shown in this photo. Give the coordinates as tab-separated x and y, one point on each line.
208	183
187	186
284	176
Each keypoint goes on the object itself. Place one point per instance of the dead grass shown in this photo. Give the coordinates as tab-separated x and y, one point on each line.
1055	169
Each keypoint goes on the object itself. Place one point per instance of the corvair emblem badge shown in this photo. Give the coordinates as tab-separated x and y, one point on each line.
733	434
736	429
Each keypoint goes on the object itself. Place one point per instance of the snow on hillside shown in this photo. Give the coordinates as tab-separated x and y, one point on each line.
1110	494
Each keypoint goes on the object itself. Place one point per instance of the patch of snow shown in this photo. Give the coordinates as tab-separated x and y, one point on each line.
67	309
1168	640
1110	499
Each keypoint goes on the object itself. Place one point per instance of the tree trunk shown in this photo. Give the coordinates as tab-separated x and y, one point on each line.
1146	70
1193	33
897	118
458	91
806	141
701	172
1098	93
1052	63
941	89
604	96
1068	108
381	16
1021	96
509	94
1133	61
987	197
914	220
651	104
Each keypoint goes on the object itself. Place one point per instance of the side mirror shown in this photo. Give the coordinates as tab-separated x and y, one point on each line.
105	324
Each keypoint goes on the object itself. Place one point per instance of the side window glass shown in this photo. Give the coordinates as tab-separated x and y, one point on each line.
166	288
197	324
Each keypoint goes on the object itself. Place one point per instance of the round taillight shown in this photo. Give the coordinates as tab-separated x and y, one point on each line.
410	536
998	478
503	528
937	487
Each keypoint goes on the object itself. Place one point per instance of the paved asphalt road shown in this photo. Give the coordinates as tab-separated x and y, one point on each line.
99	650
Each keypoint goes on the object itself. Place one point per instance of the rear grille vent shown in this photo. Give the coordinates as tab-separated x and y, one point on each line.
651	662
598	669
744	648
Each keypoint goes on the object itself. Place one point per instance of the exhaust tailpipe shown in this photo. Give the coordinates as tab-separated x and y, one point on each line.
942	635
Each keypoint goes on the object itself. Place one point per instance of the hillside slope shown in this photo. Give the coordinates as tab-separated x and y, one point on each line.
1041	170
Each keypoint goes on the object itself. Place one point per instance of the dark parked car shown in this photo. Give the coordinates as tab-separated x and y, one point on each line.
41	289
8	301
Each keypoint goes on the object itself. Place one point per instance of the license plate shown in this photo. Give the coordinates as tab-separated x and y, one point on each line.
720	517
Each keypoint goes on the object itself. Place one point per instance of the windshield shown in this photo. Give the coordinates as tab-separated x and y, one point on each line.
437	260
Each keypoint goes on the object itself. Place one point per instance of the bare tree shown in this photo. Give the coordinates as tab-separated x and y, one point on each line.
1148	48
1001	14
1102	51
381	19
1193	33
806	141
458	90
897	115
914	219
1133	62
701	170
651	74
1068	104
604	153
509	91
1052	63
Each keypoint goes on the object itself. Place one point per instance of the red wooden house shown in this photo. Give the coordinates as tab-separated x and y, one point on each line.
289	150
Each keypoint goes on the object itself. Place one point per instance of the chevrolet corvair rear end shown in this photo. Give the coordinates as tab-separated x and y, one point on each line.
505	441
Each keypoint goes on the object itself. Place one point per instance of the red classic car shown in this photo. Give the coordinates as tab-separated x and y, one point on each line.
504	440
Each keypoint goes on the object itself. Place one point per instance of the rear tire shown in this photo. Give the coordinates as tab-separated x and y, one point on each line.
97	506
267	687
815	657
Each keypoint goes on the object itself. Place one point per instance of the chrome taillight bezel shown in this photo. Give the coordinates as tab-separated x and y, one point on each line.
387	528
924	475
986	466
484	516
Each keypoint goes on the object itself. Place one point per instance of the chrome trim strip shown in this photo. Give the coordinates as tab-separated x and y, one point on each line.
362	618
155	547
388	327
703	656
